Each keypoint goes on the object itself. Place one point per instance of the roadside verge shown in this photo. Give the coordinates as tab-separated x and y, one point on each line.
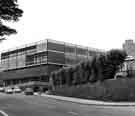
89	102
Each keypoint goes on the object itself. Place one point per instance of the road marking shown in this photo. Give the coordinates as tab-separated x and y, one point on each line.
73	113
3	113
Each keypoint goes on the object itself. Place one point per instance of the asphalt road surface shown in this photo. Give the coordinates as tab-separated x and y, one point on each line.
21	105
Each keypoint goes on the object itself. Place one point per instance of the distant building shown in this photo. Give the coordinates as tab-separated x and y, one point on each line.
129	47
128	69
32	64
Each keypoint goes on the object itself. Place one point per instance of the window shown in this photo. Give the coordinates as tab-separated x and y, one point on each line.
71	50
31	51
12	62
55	46
56	57
41	47
82	51
4	56
37	58
21	52
4	63
21	60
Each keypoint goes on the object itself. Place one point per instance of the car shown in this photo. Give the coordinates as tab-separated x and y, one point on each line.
2	89
9	90
16	89
28	91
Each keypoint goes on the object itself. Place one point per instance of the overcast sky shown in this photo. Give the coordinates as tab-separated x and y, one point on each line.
103	24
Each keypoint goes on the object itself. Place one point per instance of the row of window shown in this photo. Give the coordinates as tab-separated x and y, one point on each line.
26	60
37	60
71	49
32	51
25	80
21	62
29	50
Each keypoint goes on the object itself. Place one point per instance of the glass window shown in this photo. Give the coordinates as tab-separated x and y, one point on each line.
40	59
12	62
55	46
82	51
56	57
36	58
71	50
21	52
31	51
20	60
41	47
4	56
4	64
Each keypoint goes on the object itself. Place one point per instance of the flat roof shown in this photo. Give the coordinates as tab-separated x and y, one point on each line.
53	41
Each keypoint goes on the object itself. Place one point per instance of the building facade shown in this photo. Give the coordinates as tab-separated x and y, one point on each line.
129	47
33	63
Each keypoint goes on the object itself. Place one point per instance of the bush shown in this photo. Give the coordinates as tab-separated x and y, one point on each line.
99	68
109	90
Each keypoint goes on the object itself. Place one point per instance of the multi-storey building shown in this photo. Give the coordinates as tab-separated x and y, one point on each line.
33	63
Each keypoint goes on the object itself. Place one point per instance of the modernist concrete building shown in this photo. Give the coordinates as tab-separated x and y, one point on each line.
32	64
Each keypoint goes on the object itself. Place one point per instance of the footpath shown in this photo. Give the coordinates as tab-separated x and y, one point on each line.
89	102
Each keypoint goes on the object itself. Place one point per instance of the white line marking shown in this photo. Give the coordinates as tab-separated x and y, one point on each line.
3	113
73	113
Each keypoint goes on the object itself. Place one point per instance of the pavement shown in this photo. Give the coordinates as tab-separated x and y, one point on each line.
36	105
89	102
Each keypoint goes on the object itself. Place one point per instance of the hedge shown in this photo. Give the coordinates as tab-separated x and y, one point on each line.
109	90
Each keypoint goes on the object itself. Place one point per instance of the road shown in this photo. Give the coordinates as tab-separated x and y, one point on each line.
21	105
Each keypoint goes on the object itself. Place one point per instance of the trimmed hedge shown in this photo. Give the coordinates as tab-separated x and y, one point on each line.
109	90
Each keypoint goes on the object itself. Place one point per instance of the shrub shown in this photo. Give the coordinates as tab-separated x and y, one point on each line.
109	90
99	68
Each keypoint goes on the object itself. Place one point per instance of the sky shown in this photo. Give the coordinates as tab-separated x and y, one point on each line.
102	24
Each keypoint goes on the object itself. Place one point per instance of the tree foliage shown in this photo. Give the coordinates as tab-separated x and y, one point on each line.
9	11
99	68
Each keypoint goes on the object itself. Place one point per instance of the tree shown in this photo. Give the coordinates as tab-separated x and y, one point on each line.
114	60
9	11
99	68
68	75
